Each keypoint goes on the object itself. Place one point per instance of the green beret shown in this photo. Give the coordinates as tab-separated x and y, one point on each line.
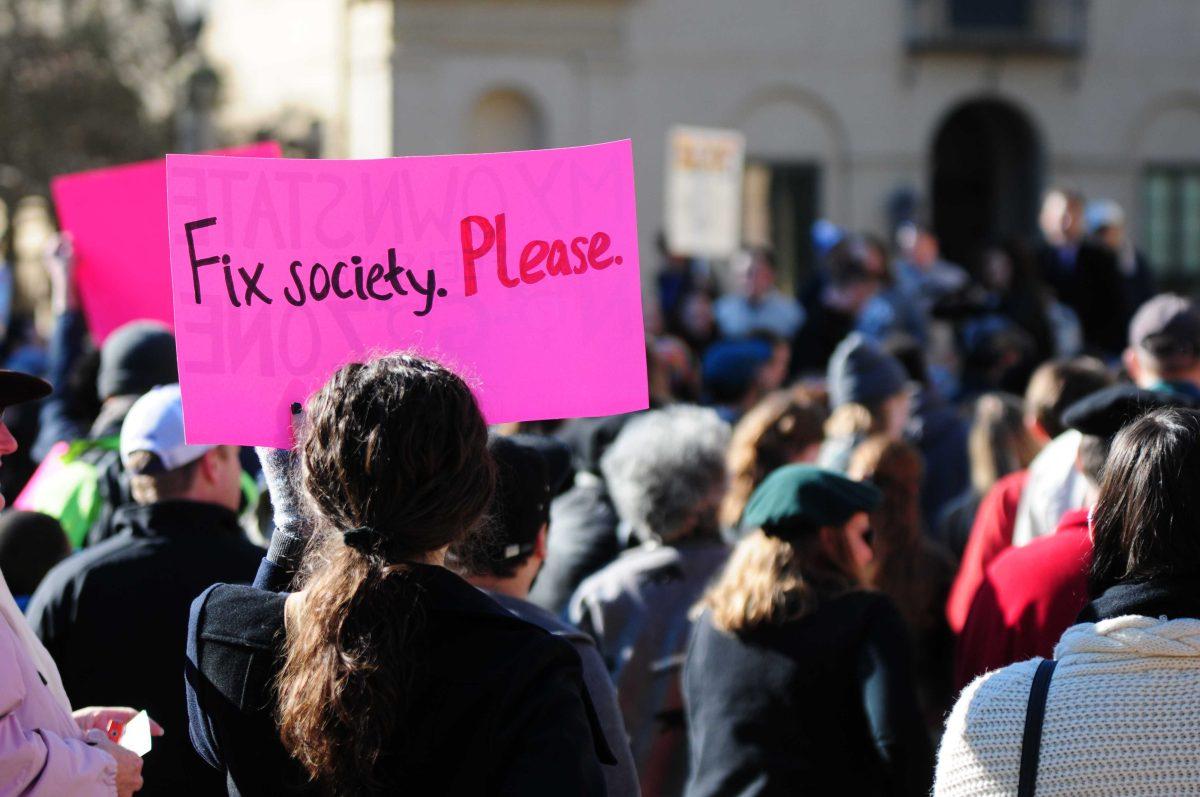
805	496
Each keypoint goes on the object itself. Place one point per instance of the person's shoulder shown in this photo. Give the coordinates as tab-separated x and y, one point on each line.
82	564
994	702
649	564
239	615
532	613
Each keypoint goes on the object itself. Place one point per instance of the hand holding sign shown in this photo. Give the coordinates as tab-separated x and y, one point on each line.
519	270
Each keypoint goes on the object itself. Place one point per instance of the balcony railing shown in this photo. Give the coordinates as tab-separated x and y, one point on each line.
1048	27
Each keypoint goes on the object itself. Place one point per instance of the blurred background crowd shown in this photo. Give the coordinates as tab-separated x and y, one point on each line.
963	240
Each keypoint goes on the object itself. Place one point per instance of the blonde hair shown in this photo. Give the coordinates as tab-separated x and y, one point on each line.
770	581
850	420
999	442
774	433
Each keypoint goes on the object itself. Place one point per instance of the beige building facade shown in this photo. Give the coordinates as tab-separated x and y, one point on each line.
851	108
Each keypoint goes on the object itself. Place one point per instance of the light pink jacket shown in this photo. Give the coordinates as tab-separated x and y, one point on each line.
42	752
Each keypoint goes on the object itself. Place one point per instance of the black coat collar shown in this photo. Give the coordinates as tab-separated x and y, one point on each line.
1165	597
175	518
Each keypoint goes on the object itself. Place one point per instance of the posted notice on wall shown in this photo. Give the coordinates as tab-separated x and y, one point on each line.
704	191
117	218
517	270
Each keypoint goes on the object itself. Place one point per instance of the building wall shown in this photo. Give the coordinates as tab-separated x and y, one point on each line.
824	81
830	82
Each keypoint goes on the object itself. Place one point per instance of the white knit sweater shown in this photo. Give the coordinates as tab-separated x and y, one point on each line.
1122	717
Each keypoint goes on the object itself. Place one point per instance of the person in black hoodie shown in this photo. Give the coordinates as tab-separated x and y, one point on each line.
114	616
798	680
385	672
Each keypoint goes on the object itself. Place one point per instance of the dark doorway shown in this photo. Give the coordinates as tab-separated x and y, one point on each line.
986	178
795	188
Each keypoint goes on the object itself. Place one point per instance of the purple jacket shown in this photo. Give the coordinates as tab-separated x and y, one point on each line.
42	751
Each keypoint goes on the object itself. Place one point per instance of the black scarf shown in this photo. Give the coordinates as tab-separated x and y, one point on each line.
1171	598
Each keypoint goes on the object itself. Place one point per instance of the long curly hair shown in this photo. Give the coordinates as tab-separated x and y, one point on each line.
905	561
773	434
394	451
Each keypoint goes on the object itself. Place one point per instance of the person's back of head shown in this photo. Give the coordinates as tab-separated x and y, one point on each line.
666	473
805	539
1144	521
898	544
1164	342
999	442
530	471
732	370
1057	385
30	544
162	467
785	427
136	357
868	390
852	263
395	467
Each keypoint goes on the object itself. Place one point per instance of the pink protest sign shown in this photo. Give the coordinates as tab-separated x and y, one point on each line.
518	270
118	220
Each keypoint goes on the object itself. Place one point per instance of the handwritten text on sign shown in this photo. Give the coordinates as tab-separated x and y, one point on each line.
518	270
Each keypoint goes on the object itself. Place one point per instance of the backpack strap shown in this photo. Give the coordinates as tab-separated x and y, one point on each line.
1031	742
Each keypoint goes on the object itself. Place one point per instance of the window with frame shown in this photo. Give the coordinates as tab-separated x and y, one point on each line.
1171	220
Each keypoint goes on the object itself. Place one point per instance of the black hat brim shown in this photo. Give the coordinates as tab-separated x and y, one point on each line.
17	388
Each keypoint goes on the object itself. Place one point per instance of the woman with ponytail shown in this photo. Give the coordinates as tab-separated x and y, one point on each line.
798	680
385	673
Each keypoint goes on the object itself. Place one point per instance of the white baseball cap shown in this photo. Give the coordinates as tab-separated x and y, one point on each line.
155	424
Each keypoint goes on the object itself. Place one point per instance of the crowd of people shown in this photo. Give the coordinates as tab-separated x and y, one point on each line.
912	525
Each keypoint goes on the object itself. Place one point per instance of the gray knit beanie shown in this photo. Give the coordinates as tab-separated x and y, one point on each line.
862	373
135	358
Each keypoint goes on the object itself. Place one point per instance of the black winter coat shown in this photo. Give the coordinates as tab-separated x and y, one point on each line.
820	705
115	616
501	707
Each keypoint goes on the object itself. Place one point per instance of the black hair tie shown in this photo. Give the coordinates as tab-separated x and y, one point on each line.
361	539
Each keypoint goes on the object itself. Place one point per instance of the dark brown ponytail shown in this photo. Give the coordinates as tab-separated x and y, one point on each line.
395	467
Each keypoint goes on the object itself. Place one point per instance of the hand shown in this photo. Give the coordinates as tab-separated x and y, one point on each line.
59	260
281	471
129	763
98	716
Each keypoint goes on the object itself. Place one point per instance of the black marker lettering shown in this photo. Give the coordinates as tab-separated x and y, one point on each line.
189	228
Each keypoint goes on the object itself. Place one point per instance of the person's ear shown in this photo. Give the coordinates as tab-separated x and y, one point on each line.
539	544
1132	363
210	465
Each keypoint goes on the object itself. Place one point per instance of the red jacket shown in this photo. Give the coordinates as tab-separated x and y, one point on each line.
1029	596
991	533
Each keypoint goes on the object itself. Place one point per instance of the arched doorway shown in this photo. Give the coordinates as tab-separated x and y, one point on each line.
506	120
986	180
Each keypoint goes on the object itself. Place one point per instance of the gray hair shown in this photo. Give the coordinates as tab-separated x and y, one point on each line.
665	465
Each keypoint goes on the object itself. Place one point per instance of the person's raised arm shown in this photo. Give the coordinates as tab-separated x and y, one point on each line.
281	470
67	343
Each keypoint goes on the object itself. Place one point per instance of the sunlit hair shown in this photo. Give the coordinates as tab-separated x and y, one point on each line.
396	447
1057	385
898	565
666	472
1144	521
772	434
999	442
770	581
853	419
